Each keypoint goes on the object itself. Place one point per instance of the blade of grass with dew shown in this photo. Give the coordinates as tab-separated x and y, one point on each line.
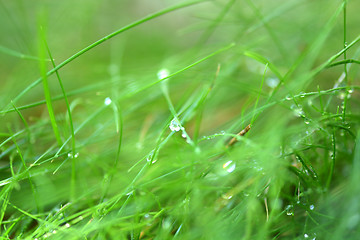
201	105
175	115
316	71
179	71
84	89
160	142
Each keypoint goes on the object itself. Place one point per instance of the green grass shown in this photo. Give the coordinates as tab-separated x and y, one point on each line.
125	120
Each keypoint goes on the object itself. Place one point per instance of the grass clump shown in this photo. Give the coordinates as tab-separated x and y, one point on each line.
199	120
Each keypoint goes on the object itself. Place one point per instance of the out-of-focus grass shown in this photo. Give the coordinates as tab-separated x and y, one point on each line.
127	136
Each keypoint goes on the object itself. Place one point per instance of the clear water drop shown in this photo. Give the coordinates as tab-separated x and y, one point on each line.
107	101
70	155
306	236
150	156
163	73
288	97
312	207
298	112
175	125
183	135
289	210
229	166
227	196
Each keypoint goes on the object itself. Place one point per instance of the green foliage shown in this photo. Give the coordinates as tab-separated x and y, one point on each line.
217	119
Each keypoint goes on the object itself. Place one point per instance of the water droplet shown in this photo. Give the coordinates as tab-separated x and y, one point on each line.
67	225
70	155
288	97
342	95
350	91
107	101
175	125
272	82
306	236
298	112
229	166
163	73
183	135
302	94
222	132
289	210
227	196
150	156
312	207
307	121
